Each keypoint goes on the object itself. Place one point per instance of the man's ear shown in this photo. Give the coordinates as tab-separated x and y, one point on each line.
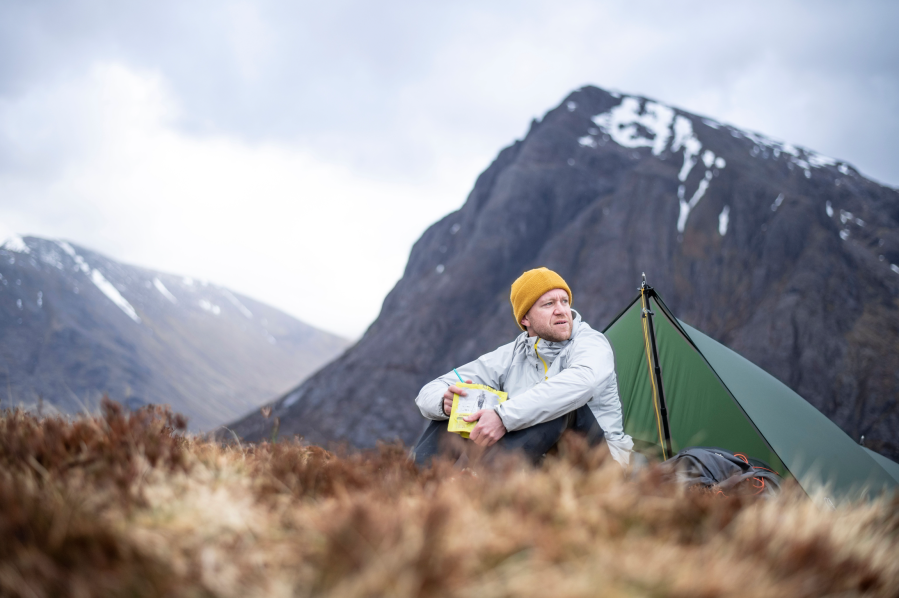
525	322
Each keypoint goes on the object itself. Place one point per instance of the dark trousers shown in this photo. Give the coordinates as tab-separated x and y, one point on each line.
533	442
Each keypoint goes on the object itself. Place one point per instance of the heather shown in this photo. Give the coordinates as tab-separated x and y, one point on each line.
127	504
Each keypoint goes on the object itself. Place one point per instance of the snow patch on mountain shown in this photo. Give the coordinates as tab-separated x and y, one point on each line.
687	206
165	292
723	220
686	139
113	294
17	244
292	398
50	256
627	122
777	202
80	264
806	159
100	281
845	216
210	307
236	303
636	122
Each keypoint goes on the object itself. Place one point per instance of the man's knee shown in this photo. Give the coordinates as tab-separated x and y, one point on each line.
536	440
584	422
533	441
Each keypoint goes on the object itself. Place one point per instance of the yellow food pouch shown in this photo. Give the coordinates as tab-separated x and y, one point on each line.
479	397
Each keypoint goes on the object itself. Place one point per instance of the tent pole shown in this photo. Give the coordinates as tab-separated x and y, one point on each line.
657	370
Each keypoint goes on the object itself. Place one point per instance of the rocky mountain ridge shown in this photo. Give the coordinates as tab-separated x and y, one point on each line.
788	257
75	325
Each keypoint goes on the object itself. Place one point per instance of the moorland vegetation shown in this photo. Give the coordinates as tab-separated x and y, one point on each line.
126	504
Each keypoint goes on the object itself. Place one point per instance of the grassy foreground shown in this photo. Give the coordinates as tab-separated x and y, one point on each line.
123	505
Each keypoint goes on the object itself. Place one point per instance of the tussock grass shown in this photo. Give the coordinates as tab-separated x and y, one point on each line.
124	504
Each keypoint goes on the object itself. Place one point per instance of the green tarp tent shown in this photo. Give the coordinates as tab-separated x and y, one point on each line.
891	467
679	388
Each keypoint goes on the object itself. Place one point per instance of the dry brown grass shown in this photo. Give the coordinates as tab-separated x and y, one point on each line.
123	505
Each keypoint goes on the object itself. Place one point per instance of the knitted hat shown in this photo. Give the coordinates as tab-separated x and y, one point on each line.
530	286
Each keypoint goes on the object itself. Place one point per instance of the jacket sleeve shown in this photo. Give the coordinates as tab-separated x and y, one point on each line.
591	368
488	369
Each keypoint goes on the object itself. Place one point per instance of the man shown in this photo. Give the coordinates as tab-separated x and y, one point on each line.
559	374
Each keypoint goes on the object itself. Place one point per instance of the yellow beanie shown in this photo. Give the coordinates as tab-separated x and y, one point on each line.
530	286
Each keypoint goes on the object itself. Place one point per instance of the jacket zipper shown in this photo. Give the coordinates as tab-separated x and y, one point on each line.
545	369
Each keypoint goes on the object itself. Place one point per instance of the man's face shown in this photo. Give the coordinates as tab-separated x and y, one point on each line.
550	317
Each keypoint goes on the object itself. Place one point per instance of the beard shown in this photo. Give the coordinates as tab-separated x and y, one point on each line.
553	334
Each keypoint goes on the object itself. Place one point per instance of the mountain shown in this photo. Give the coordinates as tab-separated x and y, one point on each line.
785	255
75	325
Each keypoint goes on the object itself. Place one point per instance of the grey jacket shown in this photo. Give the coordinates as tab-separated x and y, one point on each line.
581	372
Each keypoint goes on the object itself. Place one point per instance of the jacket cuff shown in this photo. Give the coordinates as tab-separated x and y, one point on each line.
498	410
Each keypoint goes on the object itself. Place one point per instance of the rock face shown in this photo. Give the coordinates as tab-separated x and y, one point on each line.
784	255
75	325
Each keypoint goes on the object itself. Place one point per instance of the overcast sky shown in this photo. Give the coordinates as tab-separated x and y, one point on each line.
295	151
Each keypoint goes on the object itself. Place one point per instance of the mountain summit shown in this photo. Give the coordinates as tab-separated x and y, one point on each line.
787	256
75	325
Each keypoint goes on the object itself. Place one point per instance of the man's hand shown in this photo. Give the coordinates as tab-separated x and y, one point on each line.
490	427
448	396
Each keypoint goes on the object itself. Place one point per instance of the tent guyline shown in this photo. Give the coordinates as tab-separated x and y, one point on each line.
655	372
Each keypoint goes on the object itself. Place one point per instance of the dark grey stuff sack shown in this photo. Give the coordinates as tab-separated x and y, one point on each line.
721	469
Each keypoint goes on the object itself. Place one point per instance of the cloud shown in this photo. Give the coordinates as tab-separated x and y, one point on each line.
272	145
267	220
322	74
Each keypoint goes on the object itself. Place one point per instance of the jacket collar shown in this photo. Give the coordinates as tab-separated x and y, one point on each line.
526	343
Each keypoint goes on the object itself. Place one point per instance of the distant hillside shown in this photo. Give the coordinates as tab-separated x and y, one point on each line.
788	257
75	324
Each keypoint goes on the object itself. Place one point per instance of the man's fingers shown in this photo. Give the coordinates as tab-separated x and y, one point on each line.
474	416
456	390
489	429
483	439
476	436
479	434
